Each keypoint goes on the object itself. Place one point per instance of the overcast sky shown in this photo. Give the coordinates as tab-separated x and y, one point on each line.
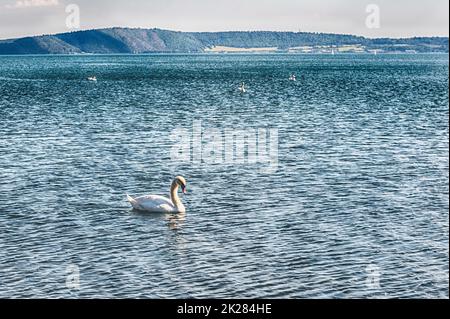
398	18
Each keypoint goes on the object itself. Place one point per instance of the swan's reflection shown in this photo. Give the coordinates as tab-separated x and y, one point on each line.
176	221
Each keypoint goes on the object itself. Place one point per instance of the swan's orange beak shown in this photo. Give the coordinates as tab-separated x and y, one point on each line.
184	190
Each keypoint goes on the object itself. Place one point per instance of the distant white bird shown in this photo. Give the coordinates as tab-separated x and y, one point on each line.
292	77
161	204
242	88
92	78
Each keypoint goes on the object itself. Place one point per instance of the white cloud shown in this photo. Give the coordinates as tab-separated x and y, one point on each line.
20	4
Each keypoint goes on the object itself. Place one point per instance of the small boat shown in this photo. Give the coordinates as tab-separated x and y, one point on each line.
242	88
92	78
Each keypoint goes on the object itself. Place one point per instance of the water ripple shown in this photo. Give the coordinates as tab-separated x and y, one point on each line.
358	207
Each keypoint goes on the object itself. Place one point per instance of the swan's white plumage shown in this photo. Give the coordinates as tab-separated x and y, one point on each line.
161	204
152	203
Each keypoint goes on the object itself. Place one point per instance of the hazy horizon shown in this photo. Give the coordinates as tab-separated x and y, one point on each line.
187	31
402	19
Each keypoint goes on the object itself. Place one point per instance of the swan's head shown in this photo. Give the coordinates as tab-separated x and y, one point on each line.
182	183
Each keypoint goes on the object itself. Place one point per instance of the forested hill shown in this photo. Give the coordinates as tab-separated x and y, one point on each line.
126	40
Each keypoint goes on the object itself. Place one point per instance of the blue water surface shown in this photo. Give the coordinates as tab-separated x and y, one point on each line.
356	207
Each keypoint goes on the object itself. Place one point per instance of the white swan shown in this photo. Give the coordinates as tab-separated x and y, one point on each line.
160	204
242	88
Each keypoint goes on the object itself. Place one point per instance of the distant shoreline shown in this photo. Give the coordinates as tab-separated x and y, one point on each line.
145	41
219	54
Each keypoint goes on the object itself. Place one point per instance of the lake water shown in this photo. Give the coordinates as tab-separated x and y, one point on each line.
356	205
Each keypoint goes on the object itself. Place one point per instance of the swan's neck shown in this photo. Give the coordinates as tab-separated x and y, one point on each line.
174	195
